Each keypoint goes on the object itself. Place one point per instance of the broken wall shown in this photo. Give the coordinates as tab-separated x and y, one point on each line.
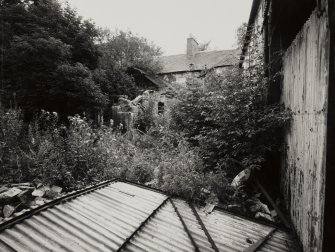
159	103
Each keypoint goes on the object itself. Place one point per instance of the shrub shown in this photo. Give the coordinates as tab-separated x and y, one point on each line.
182	172
230	120
44	155
11	130
78	155
233	198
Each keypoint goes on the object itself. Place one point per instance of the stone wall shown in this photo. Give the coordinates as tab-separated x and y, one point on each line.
127	112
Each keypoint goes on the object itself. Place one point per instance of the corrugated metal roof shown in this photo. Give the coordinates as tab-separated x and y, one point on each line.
117	216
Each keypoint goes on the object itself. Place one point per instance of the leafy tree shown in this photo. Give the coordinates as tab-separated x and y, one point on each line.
49	52
120	51
115	83
76	91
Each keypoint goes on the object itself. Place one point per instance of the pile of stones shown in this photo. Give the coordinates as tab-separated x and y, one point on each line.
17	197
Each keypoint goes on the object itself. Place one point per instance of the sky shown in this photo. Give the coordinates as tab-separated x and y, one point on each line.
168	23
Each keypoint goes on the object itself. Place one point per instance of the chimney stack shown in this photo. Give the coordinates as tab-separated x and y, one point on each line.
192	47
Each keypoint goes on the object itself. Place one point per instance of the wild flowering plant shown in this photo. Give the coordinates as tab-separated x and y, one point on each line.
11	129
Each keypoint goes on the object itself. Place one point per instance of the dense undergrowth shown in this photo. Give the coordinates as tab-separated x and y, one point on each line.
78	155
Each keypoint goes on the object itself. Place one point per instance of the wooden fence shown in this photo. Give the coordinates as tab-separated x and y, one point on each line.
305	92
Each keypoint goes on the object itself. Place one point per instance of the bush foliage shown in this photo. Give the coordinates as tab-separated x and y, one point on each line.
78	155
229	119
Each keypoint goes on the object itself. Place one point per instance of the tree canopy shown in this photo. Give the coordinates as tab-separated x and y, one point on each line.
120	51
123	50
55	60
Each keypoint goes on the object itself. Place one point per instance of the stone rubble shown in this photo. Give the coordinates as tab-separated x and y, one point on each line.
18	197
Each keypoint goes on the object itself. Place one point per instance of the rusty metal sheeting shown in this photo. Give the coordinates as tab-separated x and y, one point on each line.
138	219
232	233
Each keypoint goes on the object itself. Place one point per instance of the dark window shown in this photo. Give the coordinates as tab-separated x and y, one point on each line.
160	107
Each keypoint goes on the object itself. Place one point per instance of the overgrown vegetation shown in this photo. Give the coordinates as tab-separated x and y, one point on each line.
74	157
80	154
230	121
217	130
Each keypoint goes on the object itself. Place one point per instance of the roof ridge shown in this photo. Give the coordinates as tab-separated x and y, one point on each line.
203	227
223	50
185	226
124	244
26	213
171	55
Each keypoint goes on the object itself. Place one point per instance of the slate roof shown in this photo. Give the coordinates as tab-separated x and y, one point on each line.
200	61
122	216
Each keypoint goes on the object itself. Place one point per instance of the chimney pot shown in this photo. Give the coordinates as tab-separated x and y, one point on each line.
192	47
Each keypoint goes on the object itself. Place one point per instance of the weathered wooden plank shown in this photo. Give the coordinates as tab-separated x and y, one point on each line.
305	87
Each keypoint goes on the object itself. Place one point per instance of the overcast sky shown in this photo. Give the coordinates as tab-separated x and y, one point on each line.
168	23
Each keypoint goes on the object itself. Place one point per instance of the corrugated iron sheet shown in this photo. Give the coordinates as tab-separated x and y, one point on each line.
122	215
232	233
305	93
